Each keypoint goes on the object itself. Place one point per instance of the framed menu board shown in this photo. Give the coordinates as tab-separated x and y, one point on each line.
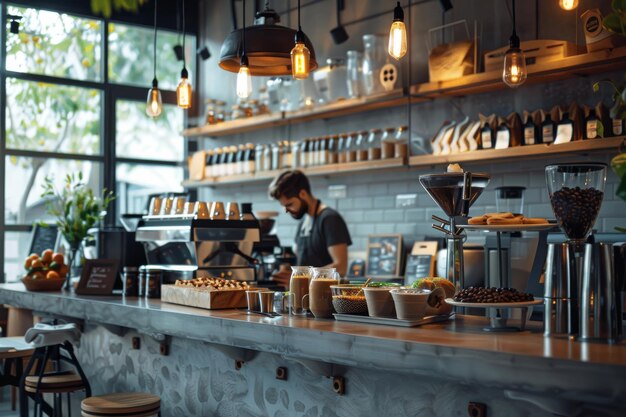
44	237
98	277
384	255
421	262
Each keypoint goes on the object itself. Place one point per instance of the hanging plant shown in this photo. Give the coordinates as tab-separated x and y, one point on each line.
106	7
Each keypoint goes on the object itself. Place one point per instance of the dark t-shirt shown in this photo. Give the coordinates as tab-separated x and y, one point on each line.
328	229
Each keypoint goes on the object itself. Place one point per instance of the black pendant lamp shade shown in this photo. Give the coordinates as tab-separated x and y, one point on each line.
268	47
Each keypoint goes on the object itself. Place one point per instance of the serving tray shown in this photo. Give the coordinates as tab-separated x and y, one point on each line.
388	321
202	298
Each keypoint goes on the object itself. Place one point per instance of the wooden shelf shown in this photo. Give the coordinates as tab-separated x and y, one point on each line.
333	170
518	153
336	109
569	67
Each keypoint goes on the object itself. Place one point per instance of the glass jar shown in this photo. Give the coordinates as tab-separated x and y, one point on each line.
341	148
298	289
263	106
220	110
351	147
295	154
287	159
237	112
211	112
355	74
153	283
361	145
401	142
387	143
249	107
267	157
332	149
258	158
373	144
374	58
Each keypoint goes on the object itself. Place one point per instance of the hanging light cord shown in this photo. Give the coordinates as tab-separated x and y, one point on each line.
299	26
184	33
514	33
244	28
155	39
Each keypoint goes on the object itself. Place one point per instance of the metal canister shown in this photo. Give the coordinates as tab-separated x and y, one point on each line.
141	282
153	283
130	276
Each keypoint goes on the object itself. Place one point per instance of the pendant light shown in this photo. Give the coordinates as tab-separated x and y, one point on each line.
268	46
183	90
514	72
244	79
397	34
154	104
568	4
300	54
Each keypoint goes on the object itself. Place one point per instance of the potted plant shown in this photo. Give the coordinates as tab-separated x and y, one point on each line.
618	111
76	210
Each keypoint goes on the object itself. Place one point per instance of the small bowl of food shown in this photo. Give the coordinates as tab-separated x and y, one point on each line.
348	299
410	303
379	300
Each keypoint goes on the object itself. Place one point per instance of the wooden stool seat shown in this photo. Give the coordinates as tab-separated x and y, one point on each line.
136	404
54	383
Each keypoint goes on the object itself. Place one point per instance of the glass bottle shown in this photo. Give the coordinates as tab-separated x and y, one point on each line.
220	110
374	58
323	150
486	136
355	68
547	129
401	142
314	155
591	125
249	159
239	159
373	144
564	130
531	131
267	157
208	163
295	153
287	154
387	143
304	153
277	155
258	158
218	165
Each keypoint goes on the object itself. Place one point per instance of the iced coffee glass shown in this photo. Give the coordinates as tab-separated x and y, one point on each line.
320	296
298	288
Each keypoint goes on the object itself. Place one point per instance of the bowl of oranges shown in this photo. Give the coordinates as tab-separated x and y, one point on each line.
46	272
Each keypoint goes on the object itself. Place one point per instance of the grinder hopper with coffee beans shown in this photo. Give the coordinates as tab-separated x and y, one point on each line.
576	194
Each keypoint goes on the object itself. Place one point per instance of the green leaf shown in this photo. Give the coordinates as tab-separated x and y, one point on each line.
600	129
621	189
613	23
620	229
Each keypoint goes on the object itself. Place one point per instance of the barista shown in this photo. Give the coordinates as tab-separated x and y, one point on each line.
322	237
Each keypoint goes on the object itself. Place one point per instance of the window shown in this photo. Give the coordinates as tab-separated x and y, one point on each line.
55	121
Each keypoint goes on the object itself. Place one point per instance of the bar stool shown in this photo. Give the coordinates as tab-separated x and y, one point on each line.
55	382
128	404
13	352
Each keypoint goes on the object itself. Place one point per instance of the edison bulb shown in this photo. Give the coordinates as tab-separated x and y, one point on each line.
183	91
568	4
154	104
300	57
244	82
397	39
514	72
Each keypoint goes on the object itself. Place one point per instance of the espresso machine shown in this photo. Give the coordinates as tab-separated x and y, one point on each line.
183	246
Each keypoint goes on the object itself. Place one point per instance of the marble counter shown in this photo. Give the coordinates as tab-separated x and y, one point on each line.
522	364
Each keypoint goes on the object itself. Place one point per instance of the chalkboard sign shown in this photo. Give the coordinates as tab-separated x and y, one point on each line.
383	256
417	266
98	277
44	237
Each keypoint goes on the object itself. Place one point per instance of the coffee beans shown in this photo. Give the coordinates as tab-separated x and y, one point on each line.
576	210
492	295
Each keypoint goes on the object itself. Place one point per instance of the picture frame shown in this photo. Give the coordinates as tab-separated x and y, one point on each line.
98	277
384	256
420	263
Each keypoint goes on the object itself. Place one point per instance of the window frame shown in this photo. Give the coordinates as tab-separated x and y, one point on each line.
110	94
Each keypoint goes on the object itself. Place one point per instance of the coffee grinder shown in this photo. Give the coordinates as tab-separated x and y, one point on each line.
454	193
576	194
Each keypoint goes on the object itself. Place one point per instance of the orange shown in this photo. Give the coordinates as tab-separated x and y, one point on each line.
37	263
63	270
58	258
38	275
53	275
46	256
27	263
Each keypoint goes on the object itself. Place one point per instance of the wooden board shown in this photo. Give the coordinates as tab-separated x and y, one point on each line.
211	300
